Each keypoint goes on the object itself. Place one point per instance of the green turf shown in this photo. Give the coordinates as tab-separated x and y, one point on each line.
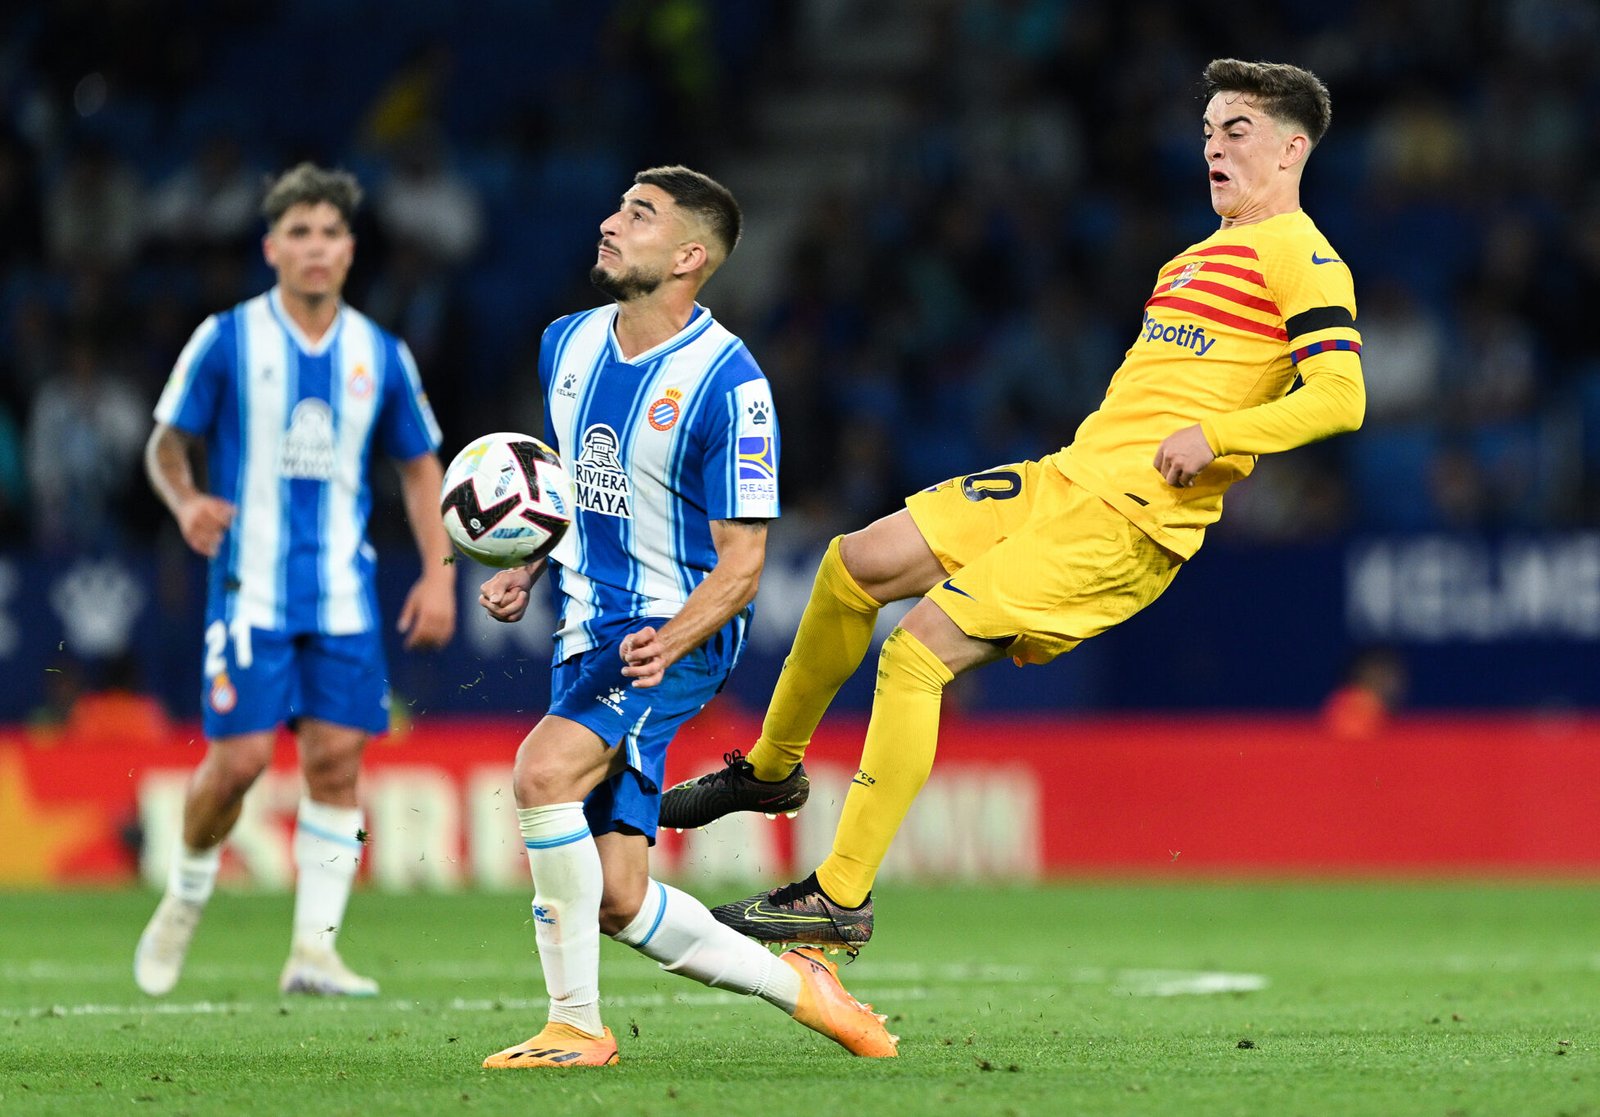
1462	999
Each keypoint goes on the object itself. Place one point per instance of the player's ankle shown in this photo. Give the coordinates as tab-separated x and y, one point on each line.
770	769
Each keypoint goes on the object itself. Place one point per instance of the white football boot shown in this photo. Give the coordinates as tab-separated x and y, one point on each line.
158	959
320	971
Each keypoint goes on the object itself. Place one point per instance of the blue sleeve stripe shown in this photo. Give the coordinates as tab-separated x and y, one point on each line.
198	348
552	843
730	479
242	418
414	396
557	335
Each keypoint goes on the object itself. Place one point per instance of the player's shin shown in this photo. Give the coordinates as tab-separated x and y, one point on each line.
902	736
834	634
675	929
567	884
327	854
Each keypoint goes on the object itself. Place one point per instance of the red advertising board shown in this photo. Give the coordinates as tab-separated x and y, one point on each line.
1018	799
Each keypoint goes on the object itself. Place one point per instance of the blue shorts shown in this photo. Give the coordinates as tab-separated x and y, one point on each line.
264	679
590	689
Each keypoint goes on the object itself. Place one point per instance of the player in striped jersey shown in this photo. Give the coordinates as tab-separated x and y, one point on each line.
666	424
1029	560
288	395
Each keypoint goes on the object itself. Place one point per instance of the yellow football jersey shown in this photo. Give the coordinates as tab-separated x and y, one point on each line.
1233	322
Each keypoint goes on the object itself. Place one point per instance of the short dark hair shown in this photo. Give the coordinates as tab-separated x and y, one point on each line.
308	184
1285	92
702	196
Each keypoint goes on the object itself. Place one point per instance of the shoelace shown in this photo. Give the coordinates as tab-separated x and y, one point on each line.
735	768
812	887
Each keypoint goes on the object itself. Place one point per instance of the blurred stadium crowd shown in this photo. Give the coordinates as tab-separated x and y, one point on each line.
960	302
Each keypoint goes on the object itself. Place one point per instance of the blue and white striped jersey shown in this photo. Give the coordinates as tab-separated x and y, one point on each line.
658	447
290	427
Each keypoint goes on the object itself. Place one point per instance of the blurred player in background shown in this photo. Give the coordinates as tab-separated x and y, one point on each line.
288	394
666	424
1029	560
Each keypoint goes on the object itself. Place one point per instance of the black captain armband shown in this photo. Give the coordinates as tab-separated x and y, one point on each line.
1316	320
1319	318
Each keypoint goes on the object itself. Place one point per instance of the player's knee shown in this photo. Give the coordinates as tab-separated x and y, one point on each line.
233	768
853	554
616	912
539	782
332	779
888	559
331	762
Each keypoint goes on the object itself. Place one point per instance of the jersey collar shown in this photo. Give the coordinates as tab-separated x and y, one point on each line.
311	348
699	322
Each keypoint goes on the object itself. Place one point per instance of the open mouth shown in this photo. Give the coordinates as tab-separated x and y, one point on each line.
1218	176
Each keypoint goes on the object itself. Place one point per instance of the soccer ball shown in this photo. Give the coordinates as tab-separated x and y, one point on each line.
506	500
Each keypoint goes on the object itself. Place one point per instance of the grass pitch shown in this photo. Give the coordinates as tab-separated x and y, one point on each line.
1448	1000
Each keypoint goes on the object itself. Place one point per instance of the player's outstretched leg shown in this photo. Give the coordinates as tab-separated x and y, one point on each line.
694	803
675	930
799	913
833	637
558	1045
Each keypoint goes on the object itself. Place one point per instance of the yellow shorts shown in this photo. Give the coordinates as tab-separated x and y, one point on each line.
1035	559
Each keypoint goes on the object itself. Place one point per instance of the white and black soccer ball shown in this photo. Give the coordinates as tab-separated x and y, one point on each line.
506	500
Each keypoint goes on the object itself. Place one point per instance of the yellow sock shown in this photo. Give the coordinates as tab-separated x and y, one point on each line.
835	632
902	737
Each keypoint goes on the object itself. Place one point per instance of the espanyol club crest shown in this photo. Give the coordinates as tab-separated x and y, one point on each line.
223	696
664	412
360	382
1186	274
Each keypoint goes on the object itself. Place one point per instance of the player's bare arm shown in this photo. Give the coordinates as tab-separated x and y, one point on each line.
741	553
203	519
1182	455
428	617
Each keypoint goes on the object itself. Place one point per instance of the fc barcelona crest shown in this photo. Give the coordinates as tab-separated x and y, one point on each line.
1186	274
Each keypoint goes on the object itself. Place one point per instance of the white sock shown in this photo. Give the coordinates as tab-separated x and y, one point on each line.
566	910
327	853
676	930
193	874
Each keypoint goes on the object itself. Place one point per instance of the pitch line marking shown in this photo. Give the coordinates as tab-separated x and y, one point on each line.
1135	983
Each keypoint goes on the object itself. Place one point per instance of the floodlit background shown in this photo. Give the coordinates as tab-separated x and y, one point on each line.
1317	833
955	210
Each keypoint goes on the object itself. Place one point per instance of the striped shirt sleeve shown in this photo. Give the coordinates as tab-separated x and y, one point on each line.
194	389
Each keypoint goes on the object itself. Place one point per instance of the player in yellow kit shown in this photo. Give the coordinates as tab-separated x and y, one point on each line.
1029	560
